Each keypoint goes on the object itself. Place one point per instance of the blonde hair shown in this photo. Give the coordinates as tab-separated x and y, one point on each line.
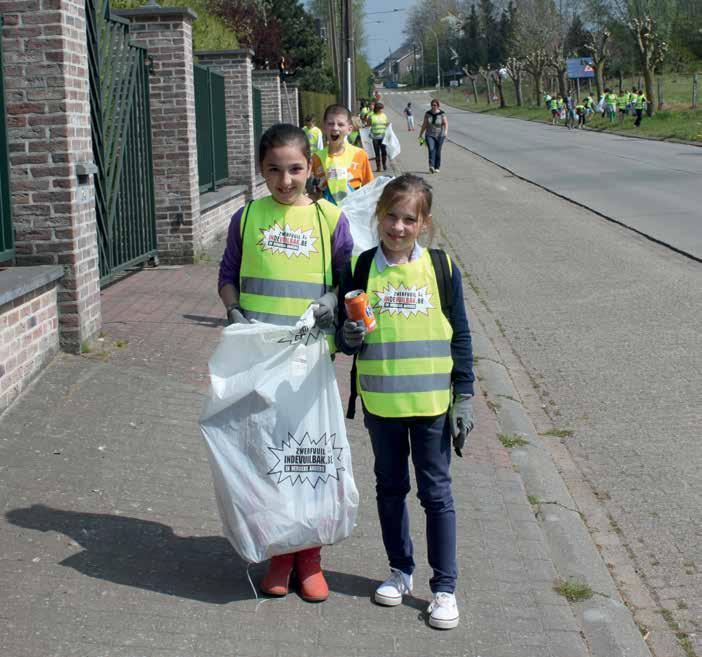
402	186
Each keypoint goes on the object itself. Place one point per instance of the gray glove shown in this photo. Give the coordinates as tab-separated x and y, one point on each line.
462	420
353	333
326	312
235	316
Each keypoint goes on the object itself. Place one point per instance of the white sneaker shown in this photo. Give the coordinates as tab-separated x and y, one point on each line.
431	169
390	592
436	171
443	611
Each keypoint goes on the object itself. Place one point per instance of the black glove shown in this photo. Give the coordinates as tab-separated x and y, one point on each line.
353	333
235	316
462	420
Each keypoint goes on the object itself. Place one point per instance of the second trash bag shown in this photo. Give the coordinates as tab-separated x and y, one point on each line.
274	428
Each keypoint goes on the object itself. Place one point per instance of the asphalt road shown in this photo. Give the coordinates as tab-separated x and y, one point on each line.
650	186
607	325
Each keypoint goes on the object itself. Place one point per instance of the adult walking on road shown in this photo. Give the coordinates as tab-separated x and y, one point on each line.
378	125
435	127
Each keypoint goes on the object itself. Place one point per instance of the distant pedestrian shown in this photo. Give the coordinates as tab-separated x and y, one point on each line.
555	112
622	106
410	117
640	103
581	111
435	127
610	100
314	134
571	115
379	123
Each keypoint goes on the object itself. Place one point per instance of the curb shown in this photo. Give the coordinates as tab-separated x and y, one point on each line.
607	623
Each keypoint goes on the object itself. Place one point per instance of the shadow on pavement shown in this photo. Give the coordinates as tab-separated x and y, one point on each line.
144	554
204	320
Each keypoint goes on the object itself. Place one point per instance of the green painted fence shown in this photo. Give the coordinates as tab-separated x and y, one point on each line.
121	127
211	127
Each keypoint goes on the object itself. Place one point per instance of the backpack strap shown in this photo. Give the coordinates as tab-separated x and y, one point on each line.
440	262
360	282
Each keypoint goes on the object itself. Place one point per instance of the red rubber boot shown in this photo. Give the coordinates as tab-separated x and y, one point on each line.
313	586
277	579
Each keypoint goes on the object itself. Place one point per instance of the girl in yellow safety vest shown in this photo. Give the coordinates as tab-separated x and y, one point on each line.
415	378
284	252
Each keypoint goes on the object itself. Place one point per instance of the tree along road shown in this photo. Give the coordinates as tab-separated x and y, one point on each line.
650	186
607	325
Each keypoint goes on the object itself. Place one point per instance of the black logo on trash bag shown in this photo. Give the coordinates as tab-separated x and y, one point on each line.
307	460
303	335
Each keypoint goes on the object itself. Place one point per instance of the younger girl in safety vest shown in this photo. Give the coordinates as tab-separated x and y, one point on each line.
284	252
415	378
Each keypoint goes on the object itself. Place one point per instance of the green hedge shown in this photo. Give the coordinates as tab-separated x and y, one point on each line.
314	103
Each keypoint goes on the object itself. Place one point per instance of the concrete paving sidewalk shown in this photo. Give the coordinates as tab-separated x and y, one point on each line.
110	542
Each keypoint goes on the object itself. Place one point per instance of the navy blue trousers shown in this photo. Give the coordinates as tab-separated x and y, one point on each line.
434	145
428	441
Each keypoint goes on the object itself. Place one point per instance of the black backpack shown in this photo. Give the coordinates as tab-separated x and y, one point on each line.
439	261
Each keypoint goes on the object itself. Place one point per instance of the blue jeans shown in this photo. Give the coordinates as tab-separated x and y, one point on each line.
428	440
434	145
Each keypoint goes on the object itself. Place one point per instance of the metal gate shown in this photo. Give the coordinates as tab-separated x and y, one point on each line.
121	126
7	244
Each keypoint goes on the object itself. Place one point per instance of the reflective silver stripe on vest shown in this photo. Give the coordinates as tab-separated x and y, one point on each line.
405	383
275	288
408	349
278	320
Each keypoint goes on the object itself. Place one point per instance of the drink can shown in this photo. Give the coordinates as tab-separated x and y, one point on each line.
358	309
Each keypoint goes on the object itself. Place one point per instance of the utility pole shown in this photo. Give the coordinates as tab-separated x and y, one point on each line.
348	77
334	41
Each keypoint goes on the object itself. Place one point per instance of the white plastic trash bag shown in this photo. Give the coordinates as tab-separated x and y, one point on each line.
274	428
392	143
359	208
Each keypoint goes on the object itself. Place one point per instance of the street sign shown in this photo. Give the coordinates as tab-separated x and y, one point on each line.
580	67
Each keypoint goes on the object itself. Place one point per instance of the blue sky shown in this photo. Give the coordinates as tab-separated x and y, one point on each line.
389	32
383	30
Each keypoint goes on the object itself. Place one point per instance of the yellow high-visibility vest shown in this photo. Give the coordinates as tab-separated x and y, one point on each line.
404	367
285	259
337	170
378	124
314	136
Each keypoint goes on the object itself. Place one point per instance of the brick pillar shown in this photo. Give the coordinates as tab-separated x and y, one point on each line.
268	83
167	33
236	67
51	153
289	104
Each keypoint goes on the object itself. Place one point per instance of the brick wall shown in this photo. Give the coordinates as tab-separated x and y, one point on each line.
268	82
236	67
48	116
167	34
29	338
215	221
